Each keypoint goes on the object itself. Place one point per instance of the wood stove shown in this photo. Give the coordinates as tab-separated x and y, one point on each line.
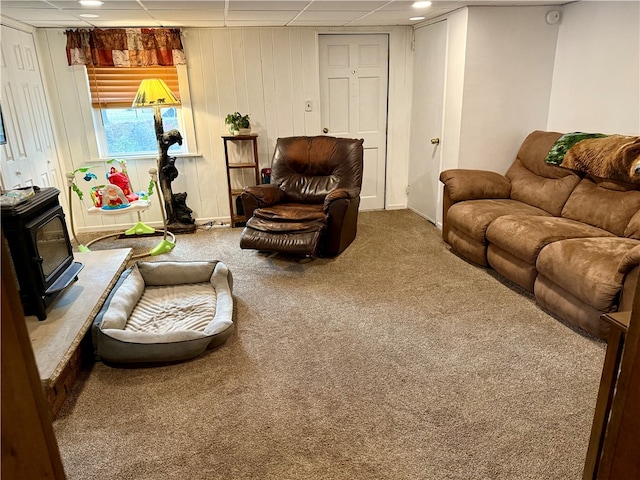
41	254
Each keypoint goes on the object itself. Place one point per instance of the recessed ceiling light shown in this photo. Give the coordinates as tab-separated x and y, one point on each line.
90	3
88	15
421	4
416	18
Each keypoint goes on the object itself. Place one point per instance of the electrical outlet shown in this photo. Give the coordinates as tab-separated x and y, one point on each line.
308	106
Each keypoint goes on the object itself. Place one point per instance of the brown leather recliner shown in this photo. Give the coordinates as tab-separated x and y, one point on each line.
310	207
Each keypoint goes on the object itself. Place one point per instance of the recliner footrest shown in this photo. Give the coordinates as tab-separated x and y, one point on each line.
284	226
300	242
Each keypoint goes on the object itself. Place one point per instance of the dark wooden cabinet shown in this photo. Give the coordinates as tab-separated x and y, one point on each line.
237	217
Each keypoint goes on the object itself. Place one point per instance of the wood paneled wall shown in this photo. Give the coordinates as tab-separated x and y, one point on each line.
266	72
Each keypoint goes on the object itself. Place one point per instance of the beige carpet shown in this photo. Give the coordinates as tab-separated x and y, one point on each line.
395	360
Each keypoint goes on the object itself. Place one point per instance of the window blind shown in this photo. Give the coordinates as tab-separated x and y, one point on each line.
116	87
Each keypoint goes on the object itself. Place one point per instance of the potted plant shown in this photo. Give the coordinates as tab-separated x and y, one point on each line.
238	124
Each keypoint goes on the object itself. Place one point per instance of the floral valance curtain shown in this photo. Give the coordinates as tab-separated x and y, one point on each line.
125	47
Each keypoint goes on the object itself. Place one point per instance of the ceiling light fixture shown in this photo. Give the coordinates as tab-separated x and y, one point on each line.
413	19
90	3
421	4
88	15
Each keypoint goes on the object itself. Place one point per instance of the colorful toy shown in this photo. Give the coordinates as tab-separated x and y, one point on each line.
121	179
113	197
116	197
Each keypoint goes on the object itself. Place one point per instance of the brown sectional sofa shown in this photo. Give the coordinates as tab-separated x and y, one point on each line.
571	239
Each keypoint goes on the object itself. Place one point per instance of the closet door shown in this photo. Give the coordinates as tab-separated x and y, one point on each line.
28	157
426	120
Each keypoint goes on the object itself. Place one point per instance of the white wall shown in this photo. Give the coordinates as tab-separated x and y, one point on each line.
498	73
596	80
266	72
457	24
507	83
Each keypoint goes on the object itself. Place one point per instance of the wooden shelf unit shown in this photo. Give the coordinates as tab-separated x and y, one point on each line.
237	219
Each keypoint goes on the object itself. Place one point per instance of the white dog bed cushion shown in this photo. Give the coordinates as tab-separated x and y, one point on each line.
164	312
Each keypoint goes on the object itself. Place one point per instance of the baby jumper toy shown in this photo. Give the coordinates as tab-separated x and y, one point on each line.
116	197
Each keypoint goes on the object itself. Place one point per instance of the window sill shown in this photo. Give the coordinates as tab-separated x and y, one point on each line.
145	157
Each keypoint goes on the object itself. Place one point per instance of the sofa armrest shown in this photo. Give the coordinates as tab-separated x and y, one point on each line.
338	193
257	196
265	194
628	291
465	184
629	266
630	260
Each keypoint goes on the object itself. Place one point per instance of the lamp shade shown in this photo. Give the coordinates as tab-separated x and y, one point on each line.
154	92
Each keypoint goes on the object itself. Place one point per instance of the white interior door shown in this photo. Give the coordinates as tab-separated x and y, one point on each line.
353	93
28	158
426	119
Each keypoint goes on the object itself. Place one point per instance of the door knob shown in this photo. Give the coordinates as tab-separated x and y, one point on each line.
435	141
325	130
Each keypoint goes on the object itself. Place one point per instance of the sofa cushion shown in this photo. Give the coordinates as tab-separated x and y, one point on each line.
587	268
534	150
604	204
535	182
556	299
474	216
549	194
468	247
524	236
516	270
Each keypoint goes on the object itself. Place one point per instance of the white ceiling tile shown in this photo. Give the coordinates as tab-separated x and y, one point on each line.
192	23
407	7
273	16
330	5
235	5
256	23
115	16
108	5
184	5
37	14
332	16
27	5
187	15
124	23
56	23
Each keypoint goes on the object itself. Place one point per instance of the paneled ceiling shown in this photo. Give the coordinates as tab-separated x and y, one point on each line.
235	13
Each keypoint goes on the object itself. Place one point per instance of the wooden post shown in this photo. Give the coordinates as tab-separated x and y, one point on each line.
621	450
29	446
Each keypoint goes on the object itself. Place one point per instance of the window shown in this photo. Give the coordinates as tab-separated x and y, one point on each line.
125	131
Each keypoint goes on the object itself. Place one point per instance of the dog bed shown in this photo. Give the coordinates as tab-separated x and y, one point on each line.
165	312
